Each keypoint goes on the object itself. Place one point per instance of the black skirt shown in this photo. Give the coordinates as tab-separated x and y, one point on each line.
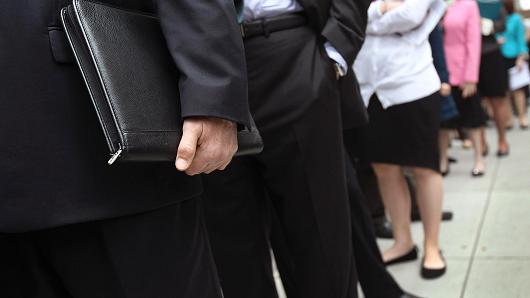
493	82
470	110
405	134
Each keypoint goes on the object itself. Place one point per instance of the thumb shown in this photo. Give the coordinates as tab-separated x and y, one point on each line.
188	145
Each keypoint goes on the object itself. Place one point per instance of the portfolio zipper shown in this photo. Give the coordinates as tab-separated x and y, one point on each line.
116	155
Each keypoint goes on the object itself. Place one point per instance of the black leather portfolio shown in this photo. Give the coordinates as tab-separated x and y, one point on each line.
132	81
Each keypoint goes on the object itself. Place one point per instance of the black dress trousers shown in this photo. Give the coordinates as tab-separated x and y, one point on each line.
300	175
364	172
374	278
163	254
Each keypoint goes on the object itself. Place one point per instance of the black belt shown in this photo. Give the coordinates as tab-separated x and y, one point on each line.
264	27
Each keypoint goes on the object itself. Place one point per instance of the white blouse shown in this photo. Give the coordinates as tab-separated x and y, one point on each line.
395	62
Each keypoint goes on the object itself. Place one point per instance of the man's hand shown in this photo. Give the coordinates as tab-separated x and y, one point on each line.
445	90
468	89
207	144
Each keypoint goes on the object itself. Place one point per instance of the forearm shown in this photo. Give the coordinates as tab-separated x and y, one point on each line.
208	52
420	34
438	55
441	68
345	28
409	15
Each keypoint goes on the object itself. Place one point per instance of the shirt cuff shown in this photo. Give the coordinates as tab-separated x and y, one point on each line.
335	56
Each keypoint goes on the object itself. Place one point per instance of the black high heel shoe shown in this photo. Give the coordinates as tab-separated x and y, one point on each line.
428	273
412	255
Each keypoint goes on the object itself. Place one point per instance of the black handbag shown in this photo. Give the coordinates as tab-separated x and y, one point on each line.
132	81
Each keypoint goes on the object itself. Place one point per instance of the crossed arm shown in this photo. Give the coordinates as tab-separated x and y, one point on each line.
397	16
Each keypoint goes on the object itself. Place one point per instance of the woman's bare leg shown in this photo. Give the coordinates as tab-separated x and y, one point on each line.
429	187
520	104
443	143
396	198
501	114
474	135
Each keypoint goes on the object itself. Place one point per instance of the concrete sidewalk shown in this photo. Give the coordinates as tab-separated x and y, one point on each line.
487	245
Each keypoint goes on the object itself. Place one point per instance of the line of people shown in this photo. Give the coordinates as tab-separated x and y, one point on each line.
331	84
479	51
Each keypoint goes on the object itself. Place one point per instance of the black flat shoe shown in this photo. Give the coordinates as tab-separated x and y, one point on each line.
447	171
446	216
412	255
503	153
477	173
452	159
427	273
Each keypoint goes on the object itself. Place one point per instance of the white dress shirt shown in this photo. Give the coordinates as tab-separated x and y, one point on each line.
258	9
395	61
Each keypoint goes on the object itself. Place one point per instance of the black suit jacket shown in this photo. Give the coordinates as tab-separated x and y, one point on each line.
52	164
343	24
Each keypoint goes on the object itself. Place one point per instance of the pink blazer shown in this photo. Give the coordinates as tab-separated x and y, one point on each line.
462	41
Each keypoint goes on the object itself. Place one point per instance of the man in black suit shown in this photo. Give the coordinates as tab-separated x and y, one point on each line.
77	227
302	93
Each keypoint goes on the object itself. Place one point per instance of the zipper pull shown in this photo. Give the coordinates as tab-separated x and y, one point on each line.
116	155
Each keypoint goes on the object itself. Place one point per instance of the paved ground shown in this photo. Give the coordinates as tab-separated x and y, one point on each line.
487	245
